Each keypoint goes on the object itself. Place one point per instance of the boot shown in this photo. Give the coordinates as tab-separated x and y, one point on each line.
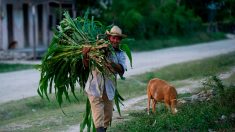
100	129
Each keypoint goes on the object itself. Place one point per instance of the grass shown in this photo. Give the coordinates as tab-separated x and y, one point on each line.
194	69
40	115
177	72
230	80
172	41
198	116
14	67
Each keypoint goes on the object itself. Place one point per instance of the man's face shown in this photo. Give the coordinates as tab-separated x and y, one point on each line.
115	40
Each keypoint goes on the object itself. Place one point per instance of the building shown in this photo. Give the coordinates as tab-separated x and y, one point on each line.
29	23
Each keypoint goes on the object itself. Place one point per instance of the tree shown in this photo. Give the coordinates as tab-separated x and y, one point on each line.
143	19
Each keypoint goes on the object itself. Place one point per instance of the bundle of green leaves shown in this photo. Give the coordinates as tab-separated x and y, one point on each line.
62	66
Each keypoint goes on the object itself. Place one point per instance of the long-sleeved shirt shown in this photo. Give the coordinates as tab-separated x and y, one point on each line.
97	83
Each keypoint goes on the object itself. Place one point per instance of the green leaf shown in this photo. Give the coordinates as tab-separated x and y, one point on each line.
59	95
86	120
118	99
127	50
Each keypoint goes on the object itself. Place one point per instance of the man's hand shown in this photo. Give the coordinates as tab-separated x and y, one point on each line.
115	68
110	67
85	60
85	50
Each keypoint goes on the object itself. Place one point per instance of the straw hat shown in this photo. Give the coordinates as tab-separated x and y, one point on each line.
116	31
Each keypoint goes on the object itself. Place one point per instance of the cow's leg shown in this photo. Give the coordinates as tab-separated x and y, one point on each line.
167	104
148	106
154	102
173	106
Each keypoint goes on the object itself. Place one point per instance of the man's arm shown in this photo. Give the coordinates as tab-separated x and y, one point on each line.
118	68
115	68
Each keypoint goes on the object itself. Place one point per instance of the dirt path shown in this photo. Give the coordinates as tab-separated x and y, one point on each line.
22	84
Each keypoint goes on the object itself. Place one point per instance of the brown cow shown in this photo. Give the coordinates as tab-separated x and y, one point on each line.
159	90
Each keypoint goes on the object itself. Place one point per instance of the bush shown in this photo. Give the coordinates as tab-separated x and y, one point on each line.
176	20
142	19
224	95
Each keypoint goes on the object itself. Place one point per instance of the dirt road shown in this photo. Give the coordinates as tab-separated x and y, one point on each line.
22	84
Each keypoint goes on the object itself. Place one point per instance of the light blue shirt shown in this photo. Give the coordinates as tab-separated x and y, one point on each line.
97	83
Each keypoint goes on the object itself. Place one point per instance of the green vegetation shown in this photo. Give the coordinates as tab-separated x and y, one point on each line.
172	41
194	69
153	18
230	79
40	114
196	116
142	19
160	17
36	114
14	67
156	20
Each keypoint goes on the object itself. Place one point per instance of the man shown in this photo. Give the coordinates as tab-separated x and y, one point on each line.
101	88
